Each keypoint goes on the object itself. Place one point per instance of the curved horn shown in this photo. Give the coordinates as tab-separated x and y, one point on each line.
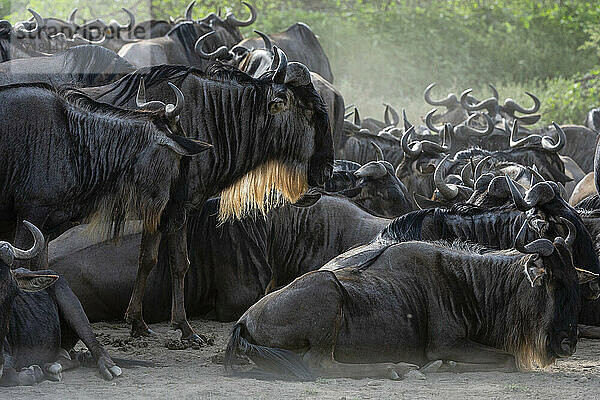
466	174
220	52
520	142
448	191
39	23
518	199
378	151
489	104
407	124
131	23
543	247
424	203
78	39
71	17
171	111
449	101
357	120
38	243
494	91
279	76
188	10
480	165
562	140
232	20
465	129
511	105
429	122
406	147
535	176
389	111
140	99
266	40
572	231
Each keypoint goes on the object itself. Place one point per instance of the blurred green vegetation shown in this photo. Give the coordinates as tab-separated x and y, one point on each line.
390	50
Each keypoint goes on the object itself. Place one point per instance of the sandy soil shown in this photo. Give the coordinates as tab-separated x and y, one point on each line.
198	373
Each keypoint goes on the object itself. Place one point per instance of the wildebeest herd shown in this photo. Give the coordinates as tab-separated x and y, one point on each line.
230	174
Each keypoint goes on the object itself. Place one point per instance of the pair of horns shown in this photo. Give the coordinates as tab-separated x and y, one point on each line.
230	19
171	111
543	247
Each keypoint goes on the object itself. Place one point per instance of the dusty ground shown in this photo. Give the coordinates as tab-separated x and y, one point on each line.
197	373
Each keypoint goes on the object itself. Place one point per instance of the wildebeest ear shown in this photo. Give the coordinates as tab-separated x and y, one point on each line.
534	272
297	74
32	282
585	276
184	146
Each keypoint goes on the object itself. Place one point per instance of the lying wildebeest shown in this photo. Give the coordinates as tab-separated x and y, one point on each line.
37	329
87	65
70	158
368	314
270	133
232	264
300	44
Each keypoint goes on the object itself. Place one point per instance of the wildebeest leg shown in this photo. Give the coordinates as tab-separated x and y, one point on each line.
329	367
467	351
588	332
179	264
147	260
72	313
24	240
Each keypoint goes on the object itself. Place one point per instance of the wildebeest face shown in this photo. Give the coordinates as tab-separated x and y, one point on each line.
304	115
379	190
561	281
417	174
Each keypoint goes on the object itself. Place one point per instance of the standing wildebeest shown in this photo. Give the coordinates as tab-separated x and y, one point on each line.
38	328
300	44
87	65
70	158
269	134
178	45
232	265
21	42
367	314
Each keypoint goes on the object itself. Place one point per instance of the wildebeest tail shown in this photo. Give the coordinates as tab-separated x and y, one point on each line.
279	361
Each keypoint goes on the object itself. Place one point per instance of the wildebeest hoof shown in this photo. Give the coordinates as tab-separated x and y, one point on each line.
30	375
397	371
415	374
431	367
53	372
108	369
141	331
